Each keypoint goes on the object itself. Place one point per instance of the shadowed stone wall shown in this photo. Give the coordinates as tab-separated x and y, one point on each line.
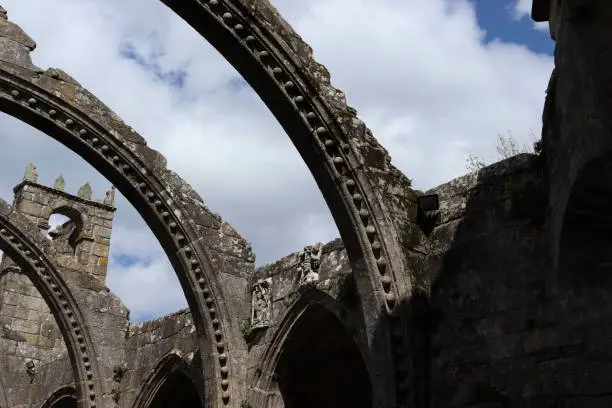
148	343
486	318
287	296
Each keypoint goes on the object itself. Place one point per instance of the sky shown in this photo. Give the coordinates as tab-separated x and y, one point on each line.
435	80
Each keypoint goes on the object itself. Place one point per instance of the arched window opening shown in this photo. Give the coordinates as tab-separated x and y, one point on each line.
62	398
585	259
62	229
321	365
65	402
177	391
65	227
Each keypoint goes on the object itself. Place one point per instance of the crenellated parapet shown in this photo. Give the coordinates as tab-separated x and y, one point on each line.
84	240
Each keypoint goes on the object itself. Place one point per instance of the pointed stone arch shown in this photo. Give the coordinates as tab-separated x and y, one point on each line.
75	213
369	199
55	104
24	244
62	398
172	364
584	257
316	315
345	160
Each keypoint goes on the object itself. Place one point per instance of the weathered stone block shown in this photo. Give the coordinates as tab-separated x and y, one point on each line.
31	208
101	250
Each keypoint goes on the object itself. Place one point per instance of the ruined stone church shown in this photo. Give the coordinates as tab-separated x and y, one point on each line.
492	290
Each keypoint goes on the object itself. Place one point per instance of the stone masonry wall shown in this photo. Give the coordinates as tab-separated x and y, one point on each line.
335	281
83	261
148	343
86	255
50	377
81	248
491	342
25	313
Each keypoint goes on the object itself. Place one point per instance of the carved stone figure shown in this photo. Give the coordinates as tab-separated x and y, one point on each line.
110	197
31	370
85	192
59	183
3	13
309	263
261	304
30	173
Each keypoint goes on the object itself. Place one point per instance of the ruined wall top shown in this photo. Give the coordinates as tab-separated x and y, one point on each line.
83	195
481	189
83	242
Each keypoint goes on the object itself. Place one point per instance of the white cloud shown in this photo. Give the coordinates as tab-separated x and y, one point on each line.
417	71
150	288
522	9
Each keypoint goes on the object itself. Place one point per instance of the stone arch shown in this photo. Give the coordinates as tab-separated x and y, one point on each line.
76	214
314	313
584	256
62	398
170	366
22	242
57	105
345	160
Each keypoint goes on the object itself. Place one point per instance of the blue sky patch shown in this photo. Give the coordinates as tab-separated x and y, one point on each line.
497	18
237	84
127	260
175	77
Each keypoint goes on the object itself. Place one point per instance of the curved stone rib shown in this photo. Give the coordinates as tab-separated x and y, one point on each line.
55	104
137	179
363	191
58	395
22	241
173	361
292	315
